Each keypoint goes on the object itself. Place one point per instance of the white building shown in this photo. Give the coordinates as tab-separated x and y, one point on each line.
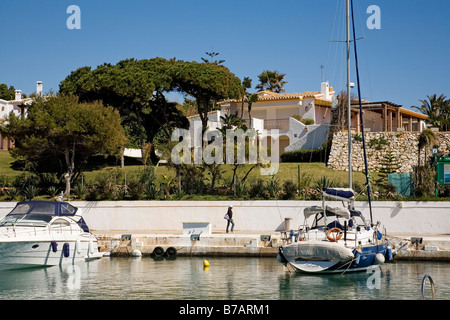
18	106
276	111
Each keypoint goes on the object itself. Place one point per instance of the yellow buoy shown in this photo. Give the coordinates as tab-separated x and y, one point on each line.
205	263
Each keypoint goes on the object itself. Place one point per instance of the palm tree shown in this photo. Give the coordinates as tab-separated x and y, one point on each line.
231	120
425	139
271	81
246	84
251	98
436	108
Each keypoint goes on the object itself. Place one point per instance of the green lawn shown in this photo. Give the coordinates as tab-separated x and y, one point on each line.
5	164
287	171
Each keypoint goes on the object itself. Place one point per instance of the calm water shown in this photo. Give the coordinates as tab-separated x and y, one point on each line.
226	278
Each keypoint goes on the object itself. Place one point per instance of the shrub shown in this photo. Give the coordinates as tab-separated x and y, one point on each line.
241	190
313	155
79	191
256	189
136	190
92	194
151	191
324	183
307	121
31	192
12	193
378	143
289	190
52	191
273	187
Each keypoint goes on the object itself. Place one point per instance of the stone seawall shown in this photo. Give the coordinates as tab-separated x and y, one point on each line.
403	146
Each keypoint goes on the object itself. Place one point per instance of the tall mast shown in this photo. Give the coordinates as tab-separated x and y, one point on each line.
349	116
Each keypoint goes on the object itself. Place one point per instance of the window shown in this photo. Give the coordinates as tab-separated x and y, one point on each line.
43	208
67	209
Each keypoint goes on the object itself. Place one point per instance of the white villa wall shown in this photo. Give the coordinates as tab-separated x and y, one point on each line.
6	107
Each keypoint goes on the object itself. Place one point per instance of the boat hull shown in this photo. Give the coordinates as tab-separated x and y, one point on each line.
44	253
361	260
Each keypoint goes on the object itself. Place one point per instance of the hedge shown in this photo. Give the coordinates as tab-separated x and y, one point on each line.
304	155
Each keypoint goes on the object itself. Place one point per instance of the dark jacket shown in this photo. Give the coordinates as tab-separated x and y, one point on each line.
230	213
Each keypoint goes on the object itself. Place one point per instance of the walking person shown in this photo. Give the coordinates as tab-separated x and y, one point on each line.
229	218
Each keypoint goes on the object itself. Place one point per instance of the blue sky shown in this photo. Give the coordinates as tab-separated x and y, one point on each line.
406	60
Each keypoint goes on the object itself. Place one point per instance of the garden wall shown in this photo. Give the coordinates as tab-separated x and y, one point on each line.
403	146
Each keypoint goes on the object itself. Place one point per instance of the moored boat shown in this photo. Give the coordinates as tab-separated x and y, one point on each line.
363	245
45	233
338	239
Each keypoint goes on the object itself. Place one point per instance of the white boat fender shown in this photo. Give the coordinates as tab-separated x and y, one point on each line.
136	253
91	247
78	245
66	250
379	258
54	245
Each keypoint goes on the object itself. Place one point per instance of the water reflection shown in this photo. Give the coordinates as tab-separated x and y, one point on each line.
226	278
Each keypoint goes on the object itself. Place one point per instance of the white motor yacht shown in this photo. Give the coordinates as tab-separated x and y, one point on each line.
45	233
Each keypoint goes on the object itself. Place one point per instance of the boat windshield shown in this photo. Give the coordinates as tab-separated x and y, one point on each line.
26	220
25	214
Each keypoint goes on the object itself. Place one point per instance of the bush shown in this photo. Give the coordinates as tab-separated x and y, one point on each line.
256	189
314	155
151	191
273	187
241	190
31	192
305	121
79	191
289	190
323	183
12	193
52	191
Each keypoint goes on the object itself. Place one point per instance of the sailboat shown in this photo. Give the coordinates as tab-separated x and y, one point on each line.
339	239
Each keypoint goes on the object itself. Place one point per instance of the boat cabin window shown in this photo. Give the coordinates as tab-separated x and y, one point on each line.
20	209
43	208
35	219
67	209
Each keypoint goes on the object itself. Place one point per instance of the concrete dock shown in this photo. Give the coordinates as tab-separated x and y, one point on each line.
253	244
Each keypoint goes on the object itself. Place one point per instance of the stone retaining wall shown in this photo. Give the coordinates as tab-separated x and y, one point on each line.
402	144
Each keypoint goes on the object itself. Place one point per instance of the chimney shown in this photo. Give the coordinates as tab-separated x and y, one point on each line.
18	95
38	88
325	90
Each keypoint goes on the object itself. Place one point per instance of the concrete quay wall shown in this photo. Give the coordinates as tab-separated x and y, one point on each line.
421	218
